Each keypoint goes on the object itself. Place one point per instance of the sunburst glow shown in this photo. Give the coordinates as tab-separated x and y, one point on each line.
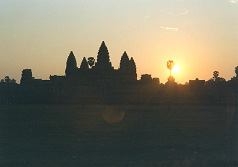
175	69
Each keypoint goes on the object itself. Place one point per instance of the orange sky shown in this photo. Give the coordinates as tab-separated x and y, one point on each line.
200	36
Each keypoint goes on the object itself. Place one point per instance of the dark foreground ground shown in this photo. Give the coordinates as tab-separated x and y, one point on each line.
128	135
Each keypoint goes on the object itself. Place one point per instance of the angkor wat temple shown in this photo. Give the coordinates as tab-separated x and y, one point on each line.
89	72
99	82
94	80
102	71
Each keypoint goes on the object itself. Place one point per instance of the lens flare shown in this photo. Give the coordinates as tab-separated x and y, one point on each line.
111	115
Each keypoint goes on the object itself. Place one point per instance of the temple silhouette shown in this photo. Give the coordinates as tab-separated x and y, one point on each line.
103	70
91	72
94	81
96	115
97	81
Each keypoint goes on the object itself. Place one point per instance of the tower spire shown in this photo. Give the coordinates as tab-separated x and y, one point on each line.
71	64
124	63
84	64
133	68
103	60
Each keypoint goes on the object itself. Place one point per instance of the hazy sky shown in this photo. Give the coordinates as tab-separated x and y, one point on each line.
201	36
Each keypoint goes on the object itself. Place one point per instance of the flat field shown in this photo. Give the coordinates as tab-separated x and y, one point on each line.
117	135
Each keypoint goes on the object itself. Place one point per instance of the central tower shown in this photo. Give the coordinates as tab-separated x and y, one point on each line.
103	59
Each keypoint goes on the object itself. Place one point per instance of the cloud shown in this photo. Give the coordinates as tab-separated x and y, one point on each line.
185	12
169	28
233	1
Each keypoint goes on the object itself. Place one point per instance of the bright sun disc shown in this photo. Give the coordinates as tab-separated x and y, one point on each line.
175	69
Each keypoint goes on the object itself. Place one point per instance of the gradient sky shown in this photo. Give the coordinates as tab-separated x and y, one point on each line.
201	36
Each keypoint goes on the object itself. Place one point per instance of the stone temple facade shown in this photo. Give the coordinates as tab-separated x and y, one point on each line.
101	70
94	81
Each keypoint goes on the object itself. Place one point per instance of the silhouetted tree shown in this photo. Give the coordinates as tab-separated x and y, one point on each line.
170	65
84	64
233	137
236	71
234	80
91	61
217	87
7	79
215	75
13	81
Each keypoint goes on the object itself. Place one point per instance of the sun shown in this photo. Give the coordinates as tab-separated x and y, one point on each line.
175	69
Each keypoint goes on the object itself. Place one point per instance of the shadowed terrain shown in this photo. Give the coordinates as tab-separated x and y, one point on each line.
111	135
